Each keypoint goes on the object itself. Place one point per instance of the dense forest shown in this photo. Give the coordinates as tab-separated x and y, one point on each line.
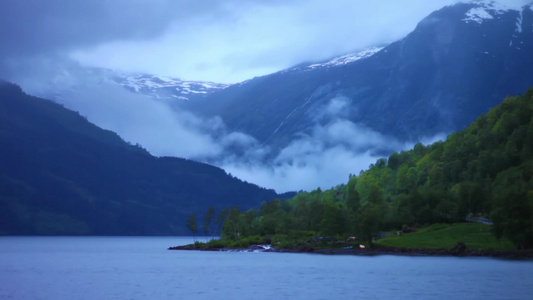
485	170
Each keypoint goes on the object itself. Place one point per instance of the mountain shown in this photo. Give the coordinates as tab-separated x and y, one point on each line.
166	87
70	76
458	63
60	174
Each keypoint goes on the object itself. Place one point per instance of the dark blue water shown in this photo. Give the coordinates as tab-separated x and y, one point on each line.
142	268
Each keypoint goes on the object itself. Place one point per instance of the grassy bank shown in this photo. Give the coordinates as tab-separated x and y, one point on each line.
437	236
446	236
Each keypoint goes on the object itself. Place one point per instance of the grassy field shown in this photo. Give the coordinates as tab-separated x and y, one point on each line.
445	236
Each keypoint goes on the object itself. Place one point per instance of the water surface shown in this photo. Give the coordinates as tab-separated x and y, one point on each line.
142	268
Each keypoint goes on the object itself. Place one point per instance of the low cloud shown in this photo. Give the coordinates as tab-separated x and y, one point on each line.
319	160
138	119
323	169
332	151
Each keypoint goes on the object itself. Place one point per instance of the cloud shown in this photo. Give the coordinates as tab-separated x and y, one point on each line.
312	162
162	130
324	158
263	38
325	170
144	121
51	26
223	41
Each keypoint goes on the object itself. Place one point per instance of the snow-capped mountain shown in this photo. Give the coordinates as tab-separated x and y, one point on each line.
346	59
488	10
69	77
338	61
458	63
166	87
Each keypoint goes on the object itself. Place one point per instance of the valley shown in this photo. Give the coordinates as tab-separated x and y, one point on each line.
312	125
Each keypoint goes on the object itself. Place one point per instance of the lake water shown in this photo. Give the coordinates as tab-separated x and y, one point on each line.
142	268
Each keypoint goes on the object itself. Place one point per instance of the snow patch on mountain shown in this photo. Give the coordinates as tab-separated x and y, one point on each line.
519	22
346	59
486	10
338	61
477	14
166	87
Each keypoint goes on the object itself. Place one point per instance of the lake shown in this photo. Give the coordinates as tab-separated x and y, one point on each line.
142	268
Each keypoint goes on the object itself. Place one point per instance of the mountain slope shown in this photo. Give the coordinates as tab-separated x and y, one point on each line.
60	174
166	87
66	77
458	62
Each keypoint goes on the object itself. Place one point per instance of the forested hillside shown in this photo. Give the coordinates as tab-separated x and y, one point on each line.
485	170
60	174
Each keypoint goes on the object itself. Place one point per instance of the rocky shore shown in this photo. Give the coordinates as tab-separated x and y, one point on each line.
459	250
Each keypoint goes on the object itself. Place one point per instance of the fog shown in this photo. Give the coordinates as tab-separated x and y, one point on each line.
324	158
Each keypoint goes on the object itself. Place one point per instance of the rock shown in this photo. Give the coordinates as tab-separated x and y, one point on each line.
459	248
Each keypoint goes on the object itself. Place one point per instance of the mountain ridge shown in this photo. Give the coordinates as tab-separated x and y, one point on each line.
63	175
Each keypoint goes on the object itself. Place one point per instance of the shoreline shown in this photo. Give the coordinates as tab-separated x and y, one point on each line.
516	254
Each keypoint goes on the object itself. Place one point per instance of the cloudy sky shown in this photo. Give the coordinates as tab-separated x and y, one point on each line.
224	41
215	40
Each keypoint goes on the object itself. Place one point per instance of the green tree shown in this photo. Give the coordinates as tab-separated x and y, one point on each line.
221	218
301	214
394	161
316	211
353	200
232	225
333	220
369	219
402	181
513	206
353	203
192	225
404	215
370	216
208	221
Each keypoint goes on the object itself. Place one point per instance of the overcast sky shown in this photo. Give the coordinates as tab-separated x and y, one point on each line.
223	41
